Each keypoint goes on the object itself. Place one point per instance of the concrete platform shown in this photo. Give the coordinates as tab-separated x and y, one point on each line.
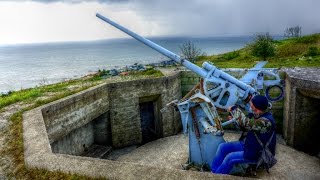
172	151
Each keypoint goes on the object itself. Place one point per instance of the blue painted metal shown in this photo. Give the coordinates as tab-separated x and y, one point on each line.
202	146
199	116
255	76
228	122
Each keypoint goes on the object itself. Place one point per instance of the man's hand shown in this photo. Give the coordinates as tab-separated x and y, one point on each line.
235	113
232	108
231	111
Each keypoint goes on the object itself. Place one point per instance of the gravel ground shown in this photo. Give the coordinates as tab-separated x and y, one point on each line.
172	151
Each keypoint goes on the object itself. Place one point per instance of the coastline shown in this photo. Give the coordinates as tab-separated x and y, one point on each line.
104	73
25	66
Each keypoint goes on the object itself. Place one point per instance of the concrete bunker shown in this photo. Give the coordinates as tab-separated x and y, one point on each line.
58	134
112	116
109	115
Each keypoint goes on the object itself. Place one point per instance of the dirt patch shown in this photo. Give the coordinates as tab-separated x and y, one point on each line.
8	111
6	164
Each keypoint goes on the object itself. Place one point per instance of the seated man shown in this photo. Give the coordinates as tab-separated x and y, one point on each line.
247	149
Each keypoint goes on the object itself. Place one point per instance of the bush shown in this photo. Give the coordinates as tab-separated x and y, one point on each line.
4	94
103	72
263	46
190	51
148	72
313	51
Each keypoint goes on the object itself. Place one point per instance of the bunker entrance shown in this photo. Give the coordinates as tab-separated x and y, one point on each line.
92	139
150	118
308	116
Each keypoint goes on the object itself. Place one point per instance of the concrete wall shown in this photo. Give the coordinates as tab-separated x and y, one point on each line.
124	107
301	109
68	121
75	142
97	131
188	80
109	114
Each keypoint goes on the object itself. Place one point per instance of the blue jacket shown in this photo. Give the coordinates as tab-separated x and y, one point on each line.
252	146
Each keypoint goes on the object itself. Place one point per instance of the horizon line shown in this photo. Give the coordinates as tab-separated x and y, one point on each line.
124	38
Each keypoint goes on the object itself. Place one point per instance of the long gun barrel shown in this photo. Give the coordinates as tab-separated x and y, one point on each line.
209	72
156	47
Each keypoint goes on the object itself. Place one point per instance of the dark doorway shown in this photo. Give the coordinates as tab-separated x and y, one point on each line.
307	122
150	120
147	122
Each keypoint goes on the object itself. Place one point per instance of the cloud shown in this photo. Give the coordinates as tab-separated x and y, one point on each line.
74	20
31	22
76	1
212	17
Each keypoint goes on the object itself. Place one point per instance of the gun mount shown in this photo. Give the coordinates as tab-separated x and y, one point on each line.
198	111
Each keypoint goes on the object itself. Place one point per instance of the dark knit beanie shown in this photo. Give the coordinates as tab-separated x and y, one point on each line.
260	102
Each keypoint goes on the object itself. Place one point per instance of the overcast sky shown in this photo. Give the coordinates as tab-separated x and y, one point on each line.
74	20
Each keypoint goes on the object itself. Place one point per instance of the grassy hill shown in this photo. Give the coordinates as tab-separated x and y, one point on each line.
294	52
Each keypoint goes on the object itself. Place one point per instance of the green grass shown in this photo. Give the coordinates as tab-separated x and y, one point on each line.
231	55
149	72
14	97
311	39
294	52
29	95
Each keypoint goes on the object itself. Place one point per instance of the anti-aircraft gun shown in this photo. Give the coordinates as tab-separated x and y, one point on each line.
217	89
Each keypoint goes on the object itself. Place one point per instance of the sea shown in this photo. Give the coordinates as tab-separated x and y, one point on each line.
28	65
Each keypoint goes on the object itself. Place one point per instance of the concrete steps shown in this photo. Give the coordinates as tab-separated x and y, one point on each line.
97	151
